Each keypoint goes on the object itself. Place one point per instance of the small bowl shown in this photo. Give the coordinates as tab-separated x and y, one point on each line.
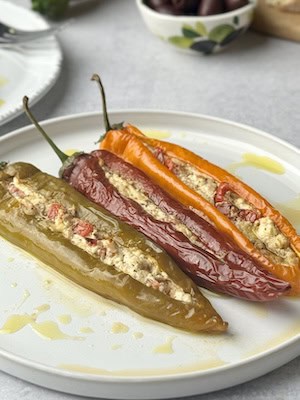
206	35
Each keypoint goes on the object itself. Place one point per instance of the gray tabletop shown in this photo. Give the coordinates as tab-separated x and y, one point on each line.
256	82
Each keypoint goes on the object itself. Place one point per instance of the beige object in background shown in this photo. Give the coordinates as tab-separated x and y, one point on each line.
286	5
273	21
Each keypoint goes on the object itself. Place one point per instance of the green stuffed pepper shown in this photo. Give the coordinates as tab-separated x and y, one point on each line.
53	222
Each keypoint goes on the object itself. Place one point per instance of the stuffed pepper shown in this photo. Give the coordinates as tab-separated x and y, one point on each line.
228	203
196	246
53	222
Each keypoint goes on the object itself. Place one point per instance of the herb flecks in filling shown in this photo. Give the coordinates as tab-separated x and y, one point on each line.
261	231
104	246
131	190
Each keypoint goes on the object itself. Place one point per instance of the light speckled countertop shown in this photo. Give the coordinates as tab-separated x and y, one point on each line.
256	82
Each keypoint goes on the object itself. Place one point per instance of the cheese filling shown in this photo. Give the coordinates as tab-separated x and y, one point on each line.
129	189
103	246
261	231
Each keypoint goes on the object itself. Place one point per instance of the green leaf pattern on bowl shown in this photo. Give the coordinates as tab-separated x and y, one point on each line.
197	37
181	41
201	29
236	20
189	32
220	32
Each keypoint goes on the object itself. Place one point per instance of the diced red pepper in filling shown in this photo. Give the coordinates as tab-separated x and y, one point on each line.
83	228
249	215
159	154
92	242
226	208
229	209
222	189
169	163
15	191
53	211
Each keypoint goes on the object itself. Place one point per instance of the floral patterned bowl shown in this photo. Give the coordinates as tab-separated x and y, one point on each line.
203	34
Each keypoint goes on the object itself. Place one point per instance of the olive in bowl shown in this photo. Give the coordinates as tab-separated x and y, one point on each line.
195	7
178	22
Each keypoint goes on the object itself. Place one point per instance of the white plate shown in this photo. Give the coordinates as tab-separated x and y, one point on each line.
31	69
260	338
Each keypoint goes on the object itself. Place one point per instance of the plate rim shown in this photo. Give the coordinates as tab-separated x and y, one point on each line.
145	378
181	376
16	111
112	112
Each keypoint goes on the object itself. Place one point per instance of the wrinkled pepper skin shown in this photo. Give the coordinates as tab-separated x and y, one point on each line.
240	278
59	253
130	144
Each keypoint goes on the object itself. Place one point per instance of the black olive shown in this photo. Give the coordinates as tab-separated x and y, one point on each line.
186	6
157	3
234	4
210	7
167	9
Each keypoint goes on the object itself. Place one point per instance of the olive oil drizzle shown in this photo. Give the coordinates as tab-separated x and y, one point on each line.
16	322
260	162
154	134
64	319
50	330
165	348
86	329
199	366
119	327
46	329
138	335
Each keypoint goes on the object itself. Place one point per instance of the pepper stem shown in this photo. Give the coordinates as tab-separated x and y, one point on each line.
97	79
108	126
62	156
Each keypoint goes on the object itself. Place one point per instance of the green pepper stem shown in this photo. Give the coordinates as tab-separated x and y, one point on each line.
108	126
97	79
62	156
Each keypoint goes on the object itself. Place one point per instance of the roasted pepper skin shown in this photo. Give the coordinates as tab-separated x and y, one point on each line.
53	249
130	144
241	279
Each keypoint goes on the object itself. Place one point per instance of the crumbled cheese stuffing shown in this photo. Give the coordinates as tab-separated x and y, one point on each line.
263	233
129	260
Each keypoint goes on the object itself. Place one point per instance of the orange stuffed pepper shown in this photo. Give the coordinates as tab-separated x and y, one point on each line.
229	204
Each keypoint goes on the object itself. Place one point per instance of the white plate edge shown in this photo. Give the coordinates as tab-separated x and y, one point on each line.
151	378
209	118
39	94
